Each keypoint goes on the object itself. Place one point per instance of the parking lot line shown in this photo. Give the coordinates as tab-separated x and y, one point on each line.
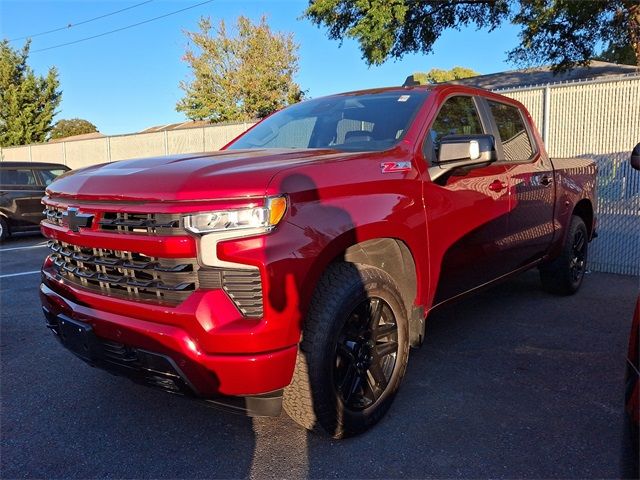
19	273
40	245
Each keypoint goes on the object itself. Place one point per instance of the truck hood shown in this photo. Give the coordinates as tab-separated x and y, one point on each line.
218	175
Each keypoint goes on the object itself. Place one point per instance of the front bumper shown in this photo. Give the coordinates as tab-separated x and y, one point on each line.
164	353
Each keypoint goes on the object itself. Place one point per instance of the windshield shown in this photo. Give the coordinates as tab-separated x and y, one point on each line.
367	122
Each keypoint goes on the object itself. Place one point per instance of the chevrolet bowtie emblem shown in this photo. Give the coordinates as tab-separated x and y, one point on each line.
75	220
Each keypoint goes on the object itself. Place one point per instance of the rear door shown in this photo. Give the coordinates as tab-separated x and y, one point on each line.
531	188
466	208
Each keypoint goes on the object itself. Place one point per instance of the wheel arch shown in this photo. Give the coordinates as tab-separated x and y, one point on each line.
584	210
395	257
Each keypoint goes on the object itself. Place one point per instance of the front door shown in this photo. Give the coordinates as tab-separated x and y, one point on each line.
467	209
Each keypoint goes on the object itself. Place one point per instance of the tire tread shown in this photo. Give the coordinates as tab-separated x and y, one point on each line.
335	284
555	276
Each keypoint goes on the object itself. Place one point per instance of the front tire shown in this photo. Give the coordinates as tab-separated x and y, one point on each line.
353	354
564	275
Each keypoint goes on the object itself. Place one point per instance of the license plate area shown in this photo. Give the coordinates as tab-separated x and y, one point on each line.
78	337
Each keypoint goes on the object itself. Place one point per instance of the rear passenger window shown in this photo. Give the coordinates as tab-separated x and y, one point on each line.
513	133
21	177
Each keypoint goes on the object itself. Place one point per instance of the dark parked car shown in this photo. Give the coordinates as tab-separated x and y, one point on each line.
22	186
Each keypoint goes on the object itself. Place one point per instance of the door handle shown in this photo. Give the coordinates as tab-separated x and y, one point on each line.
546	180
497	185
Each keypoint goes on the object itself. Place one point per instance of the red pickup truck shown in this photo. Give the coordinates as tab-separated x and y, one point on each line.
297	266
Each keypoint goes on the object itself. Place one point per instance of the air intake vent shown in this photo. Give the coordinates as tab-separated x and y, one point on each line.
245	289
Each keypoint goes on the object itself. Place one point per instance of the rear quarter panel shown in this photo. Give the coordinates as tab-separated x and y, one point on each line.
575	180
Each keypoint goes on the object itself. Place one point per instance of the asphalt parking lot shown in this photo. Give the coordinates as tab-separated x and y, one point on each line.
510	383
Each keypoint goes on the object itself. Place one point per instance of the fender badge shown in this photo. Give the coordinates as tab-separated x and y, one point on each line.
391	167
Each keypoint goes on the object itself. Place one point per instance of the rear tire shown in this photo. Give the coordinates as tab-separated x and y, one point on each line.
4	229
353	354
564	275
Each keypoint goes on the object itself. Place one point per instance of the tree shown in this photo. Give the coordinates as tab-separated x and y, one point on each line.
27	102
437	75
73	126
564	33
618	54
241	77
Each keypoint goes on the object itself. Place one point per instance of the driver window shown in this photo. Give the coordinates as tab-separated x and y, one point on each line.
458	116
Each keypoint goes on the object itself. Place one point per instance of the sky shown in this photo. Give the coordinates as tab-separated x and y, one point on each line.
128	81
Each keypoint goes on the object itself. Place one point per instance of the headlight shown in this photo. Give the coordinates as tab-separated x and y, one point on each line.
258	218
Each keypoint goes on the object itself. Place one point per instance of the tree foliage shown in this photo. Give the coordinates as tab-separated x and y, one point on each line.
618	54
241	77
28	102
74	126
566	33
437	75
563	33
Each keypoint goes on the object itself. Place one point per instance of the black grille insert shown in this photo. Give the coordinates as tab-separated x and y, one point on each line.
147	223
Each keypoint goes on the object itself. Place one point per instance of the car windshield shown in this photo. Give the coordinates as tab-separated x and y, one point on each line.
49	176
361	122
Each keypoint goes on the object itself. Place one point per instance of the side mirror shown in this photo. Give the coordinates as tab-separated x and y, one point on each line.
467	149
635	157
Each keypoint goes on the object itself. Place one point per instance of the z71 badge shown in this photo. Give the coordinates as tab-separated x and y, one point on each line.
390	167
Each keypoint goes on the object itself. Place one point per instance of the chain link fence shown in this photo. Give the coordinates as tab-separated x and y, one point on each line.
599	120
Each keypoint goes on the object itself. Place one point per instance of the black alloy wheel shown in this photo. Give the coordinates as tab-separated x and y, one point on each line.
353	354
366	354
579	259
564	274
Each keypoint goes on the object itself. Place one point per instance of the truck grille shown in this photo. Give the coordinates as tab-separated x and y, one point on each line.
135	276
53	214
125	274
147	223
117	222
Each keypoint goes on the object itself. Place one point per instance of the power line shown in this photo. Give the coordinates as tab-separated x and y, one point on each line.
122	28
71	25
